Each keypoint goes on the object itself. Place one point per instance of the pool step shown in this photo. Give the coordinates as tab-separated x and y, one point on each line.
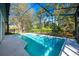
64	54
72	49
68	51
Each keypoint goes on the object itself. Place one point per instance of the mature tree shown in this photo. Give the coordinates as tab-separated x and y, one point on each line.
64	14
23	19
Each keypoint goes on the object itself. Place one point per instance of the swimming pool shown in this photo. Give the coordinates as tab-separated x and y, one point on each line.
41	45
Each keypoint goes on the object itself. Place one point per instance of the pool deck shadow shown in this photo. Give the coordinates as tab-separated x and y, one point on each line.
14	46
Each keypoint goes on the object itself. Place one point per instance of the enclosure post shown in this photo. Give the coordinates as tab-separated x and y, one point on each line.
77	24
7	17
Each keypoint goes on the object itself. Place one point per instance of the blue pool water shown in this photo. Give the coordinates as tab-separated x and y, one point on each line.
38	45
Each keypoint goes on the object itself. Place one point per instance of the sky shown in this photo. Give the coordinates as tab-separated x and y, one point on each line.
36	7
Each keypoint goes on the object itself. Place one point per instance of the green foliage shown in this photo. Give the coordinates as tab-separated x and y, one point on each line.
43	30
56	29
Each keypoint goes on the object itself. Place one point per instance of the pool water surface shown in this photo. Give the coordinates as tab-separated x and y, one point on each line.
42	45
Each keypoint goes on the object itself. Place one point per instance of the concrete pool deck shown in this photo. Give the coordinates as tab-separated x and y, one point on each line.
14	46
